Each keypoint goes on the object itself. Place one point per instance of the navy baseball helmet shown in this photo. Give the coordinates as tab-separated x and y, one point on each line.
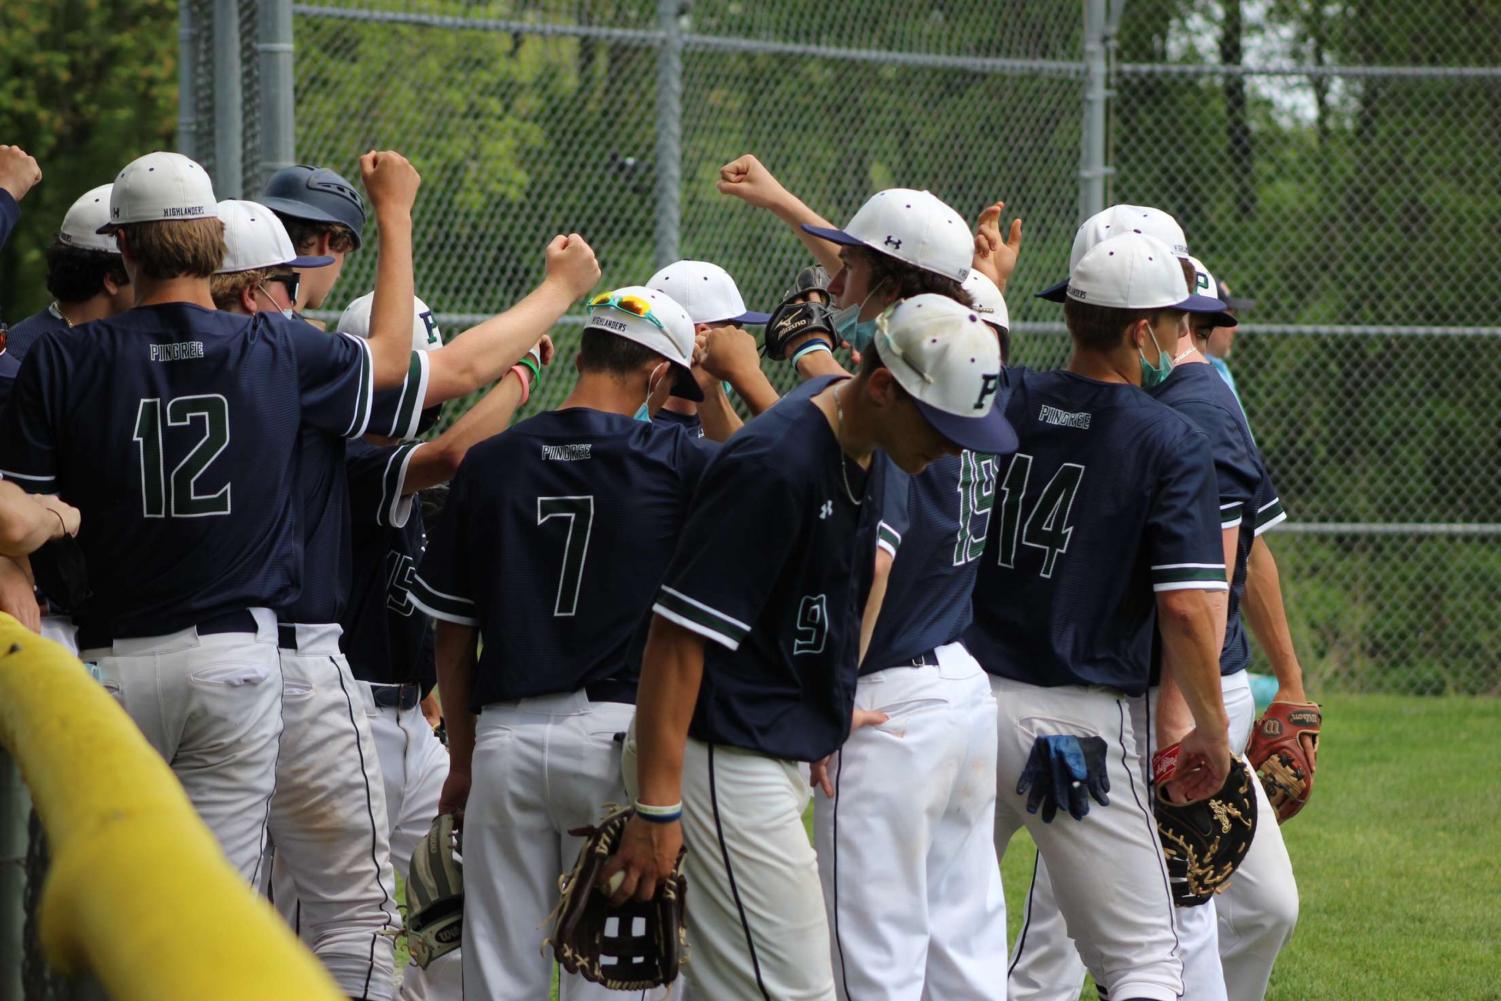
316	194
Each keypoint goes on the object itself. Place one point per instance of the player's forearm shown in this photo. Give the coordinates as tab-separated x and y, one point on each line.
1267	617
455	652
795	213
754	388
876	599
1191	652
439	460
672	670
391	310
717	415
486	351
816	363
25	523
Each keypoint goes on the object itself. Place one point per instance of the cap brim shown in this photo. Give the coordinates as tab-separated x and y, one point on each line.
310	262
107	228
1201	304
755	319
991	434
1234	302
684	385
1054	293
833	235
1224	319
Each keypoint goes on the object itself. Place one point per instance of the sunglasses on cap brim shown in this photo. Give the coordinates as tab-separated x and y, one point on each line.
633	304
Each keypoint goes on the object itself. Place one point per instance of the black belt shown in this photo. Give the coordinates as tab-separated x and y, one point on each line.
238	621
286	635
611	690
396	696
928	658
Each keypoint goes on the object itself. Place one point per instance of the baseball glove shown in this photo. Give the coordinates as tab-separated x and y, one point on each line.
1284	751
435	894
634	946
1204	842
804	310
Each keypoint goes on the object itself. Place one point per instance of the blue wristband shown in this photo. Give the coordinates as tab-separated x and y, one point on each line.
810	348
659	814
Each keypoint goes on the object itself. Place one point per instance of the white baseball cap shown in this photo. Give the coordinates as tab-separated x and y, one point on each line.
912	226
989	302
160	186
425	333
1115	221
256	238
1206	286
81	226
1135	272
706	291
942	354
665	327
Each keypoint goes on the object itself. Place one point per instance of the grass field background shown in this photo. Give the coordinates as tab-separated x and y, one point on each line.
1398	856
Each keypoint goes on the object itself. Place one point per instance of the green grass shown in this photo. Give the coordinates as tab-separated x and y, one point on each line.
1398	856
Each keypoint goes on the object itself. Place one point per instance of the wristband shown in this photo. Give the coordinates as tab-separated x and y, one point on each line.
524	376
818	344
60	523
532	365
659	814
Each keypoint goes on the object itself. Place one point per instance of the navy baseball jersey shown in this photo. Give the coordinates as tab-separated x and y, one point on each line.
688	422
554	539
323	494
23	335
1246	493
387	639
1110	498
10	214
10	367
938	519
774	567
174	429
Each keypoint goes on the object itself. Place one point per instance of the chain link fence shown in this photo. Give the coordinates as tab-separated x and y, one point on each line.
1332	161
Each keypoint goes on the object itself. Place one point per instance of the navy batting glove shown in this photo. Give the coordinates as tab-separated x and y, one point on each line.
1064	769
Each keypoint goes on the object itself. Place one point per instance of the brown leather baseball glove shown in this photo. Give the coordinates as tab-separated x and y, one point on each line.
1284	751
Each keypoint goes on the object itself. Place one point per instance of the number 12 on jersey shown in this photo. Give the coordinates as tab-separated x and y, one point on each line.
177	495
1047	526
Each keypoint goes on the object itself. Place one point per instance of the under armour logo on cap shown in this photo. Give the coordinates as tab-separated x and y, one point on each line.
892	242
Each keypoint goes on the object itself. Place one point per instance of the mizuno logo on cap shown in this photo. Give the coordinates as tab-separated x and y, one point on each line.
893	242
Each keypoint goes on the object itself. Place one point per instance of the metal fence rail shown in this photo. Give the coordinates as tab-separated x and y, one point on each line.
1335	162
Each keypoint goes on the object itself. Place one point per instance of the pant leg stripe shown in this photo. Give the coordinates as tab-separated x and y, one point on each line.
1021	936
369	812
724	854
1150	817
839	943
281	713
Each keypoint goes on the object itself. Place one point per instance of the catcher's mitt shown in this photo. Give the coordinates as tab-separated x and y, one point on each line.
635	946
804	309
1204	842
1284	751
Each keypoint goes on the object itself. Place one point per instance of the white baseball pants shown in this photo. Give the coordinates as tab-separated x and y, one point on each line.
332	875
1110	879
211	706
60	629
542	766
1225	956
757	928
413	765
905	849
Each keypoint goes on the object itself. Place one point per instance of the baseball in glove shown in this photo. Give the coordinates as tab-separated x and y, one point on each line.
1284	751
804	309
634	946
1203	842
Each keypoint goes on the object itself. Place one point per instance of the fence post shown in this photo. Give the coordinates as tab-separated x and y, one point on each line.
1092	168
669	131
274	50
187	108
229	129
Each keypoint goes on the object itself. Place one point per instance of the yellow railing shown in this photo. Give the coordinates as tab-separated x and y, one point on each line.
139	894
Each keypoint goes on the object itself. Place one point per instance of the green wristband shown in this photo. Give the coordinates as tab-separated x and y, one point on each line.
534	368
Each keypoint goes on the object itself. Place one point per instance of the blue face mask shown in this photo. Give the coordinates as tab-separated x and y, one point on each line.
1155	375
848	325
643	414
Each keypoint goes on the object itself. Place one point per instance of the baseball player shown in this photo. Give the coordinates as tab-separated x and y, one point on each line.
333	875
1107	531
724	725
555	536
84	274
388	641
1222	338
913	817
174	428
714	303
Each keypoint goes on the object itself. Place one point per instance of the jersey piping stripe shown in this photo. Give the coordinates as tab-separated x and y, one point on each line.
395	507
11	474
1231	515
1270	514
695	627
448	607
700	605
1192	585
1198	566
360	420
888	538
413	389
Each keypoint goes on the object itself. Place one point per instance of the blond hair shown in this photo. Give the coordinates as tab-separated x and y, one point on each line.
192	248
227	289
